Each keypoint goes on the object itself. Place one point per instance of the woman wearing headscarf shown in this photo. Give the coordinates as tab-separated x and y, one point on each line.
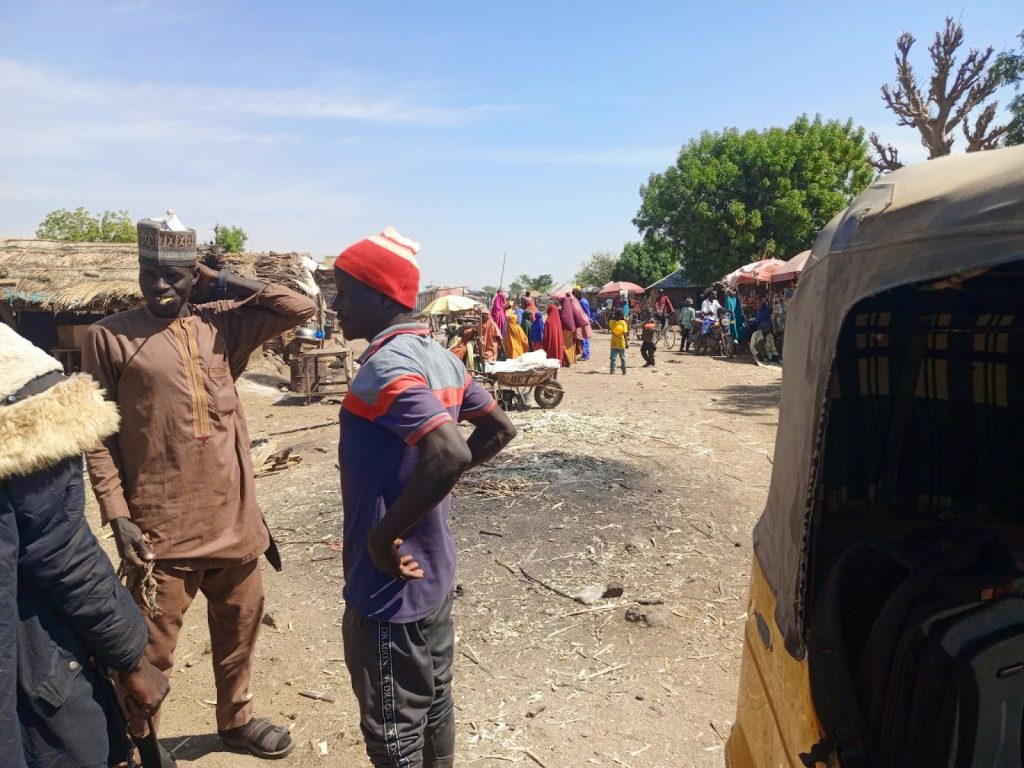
732	303
764	315
575	326
529	304
498	311
490	338
553	343
515	341
537	332
584	340
527	323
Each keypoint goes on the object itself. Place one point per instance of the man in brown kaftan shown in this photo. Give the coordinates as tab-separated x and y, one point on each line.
176	482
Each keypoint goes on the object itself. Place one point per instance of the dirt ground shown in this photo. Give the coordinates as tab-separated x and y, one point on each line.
648	482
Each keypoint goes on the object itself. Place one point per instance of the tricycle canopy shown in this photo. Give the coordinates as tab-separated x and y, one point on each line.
949	217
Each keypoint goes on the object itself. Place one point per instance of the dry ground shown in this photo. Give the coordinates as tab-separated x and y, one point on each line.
649	481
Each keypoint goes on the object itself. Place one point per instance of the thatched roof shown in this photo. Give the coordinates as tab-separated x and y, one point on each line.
291	269
60	276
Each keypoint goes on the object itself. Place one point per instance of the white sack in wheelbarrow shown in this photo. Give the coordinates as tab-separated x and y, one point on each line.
528	361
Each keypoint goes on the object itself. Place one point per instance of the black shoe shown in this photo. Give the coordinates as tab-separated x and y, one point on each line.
152	753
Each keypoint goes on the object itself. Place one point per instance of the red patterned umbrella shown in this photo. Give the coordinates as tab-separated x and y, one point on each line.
792	269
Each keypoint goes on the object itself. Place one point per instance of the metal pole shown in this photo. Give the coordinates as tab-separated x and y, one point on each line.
501	280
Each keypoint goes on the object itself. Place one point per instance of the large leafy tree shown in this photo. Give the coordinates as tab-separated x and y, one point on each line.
645	263
597	270
538	284
732	197
962	102
81	226
1009	67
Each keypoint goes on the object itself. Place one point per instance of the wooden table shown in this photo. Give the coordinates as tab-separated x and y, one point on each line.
311	375
69	357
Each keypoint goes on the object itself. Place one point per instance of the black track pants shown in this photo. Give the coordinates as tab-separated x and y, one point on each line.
402	679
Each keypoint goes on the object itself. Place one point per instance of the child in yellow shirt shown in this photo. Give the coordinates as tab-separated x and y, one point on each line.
620	330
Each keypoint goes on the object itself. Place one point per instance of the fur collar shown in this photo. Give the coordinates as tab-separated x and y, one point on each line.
68	419
21	361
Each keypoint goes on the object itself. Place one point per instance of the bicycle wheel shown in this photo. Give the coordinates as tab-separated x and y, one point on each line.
669	337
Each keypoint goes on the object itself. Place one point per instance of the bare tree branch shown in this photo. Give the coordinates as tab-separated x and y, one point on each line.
983	137
886	157
948	105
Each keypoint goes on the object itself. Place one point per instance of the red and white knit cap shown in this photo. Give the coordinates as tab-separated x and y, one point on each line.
385	262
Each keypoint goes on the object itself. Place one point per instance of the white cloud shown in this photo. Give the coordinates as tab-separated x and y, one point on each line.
23	86
612	157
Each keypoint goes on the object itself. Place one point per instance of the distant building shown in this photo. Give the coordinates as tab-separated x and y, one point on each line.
678	287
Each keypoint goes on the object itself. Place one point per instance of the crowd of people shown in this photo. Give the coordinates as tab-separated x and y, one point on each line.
514	326
156	413
86	662
563	326
756	322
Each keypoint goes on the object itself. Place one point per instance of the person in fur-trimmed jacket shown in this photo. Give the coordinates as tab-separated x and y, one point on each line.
65	621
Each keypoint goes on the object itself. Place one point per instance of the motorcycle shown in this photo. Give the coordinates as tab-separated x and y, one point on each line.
717	339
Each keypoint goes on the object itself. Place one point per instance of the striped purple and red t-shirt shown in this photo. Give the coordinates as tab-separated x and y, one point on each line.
407	386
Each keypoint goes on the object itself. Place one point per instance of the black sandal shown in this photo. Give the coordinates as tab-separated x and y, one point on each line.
260	738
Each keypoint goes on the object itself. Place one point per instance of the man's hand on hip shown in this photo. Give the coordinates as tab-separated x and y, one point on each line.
390	561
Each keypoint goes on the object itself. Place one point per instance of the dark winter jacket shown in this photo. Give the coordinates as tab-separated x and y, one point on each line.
65	618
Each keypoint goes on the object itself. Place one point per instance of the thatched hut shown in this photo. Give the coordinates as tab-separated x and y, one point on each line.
51	290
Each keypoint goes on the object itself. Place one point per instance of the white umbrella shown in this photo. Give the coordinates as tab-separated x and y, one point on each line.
448	304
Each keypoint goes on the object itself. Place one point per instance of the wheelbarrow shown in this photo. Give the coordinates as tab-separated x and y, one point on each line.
511	388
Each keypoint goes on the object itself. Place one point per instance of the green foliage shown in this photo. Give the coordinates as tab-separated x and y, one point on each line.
1009	67
490	290
732	198
82	227
230	239
597	270
645	263
538	284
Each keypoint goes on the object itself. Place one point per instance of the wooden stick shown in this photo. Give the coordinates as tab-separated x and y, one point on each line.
533	757
544	584
317	696
606	671
303	429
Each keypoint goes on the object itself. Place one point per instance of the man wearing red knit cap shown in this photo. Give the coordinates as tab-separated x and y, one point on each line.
400	455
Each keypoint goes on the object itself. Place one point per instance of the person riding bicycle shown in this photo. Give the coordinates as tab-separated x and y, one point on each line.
663	306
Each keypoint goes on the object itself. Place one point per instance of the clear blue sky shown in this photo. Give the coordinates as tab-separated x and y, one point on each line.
475	128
